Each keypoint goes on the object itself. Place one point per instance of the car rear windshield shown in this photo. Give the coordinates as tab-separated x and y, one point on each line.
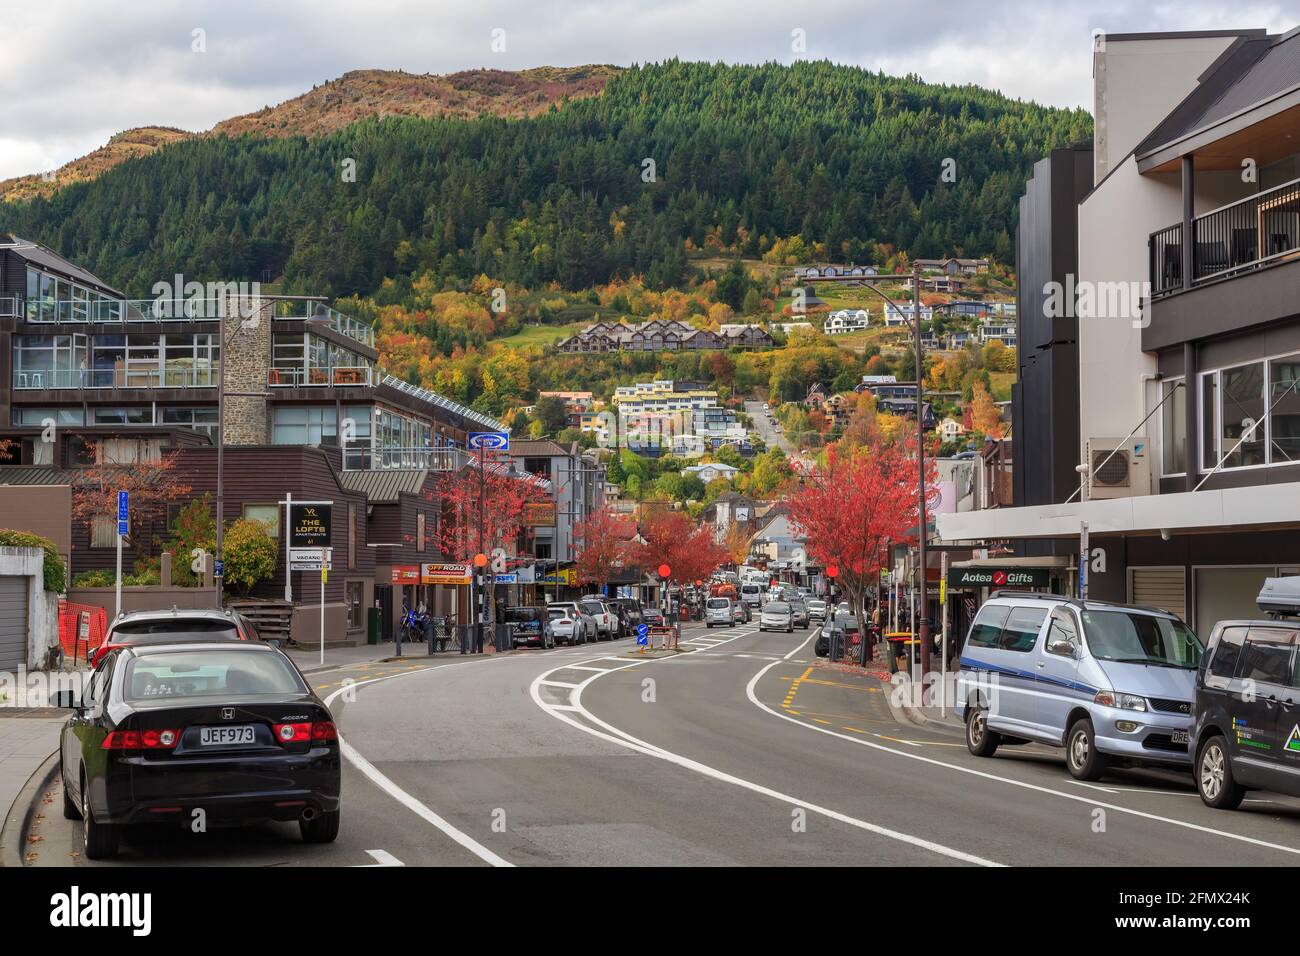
557	612
209	674
1130	638
523	614
719	602
777	607
173	626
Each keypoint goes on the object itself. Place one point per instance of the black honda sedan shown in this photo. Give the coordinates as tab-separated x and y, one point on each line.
224	732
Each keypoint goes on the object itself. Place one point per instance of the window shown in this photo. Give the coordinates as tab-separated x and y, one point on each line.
419	530
133	415
304	425
987	628
1021	631
37	416
1062	629
1224	663
103	531
1241	422
1135	638
1173	428
209	674
1266	656
1284	419
352	536
354	592
267	514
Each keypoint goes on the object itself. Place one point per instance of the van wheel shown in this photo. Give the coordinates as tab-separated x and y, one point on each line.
980	741
1214	779
1081	756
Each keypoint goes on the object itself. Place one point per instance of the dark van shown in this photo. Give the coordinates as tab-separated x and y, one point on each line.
530	627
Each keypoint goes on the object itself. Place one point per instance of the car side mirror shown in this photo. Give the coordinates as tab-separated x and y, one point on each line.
1061	648
66	699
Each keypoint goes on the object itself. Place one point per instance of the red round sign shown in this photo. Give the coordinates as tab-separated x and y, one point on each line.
832	571
999	578
664	570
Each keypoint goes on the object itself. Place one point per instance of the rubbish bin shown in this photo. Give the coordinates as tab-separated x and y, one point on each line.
374	625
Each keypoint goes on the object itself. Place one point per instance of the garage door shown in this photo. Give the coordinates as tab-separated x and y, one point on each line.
1165	588
13	623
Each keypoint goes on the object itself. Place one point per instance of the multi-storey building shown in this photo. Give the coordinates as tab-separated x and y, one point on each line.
1158	278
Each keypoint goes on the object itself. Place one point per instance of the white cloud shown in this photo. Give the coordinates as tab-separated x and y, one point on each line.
76	71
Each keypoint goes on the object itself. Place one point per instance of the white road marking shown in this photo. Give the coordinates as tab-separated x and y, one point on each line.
559	683
753	698
624	739
383	857
400	795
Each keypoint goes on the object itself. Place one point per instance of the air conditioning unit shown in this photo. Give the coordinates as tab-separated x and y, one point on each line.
1118	468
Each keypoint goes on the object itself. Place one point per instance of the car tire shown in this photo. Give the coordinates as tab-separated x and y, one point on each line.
99	840
980	741
1214	780
1082	758
322	829
70	809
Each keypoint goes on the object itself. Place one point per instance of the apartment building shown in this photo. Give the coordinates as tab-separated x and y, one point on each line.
1159	272
846	320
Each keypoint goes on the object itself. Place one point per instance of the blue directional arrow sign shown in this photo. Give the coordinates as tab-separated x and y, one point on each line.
494	441
642	635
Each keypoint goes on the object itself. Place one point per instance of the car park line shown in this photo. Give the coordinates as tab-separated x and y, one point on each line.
614	735
1282	848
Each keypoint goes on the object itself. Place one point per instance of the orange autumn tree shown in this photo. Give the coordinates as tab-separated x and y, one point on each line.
603	541
150	480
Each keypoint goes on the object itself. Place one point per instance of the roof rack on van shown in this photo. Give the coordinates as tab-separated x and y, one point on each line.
1040	595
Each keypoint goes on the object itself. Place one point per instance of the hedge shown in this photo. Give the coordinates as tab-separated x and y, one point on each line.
56	574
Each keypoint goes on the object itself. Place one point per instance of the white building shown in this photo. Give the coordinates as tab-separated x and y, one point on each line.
846	320
711	471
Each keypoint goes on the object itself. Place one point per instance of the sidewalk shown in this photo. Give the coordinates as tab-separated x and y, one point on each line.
308	658
28	737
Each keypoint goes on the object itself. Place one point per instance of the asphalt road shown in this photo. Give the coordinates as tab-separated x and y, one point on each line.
743	751
764	426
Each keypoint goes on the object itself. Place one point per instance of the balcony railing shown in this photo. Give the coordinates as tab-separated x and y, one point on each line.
175	310
1252	232
363	455
171	376
291	376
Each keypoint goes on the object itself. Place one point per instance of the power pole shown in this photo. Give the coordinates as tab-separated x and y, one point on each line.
923	615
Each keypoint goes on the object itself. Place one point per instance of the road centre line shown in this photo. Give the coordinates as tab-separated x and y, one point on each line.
614	735
749	690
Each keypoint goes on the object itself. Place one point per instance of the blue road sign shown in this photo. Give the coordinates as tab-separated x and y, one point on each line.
219	569
124	528
495	441
123	505
642	635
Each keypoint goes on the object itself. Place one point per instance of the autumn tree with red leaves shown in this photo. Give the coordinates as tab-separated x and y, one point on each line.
603	542
484	507
150	480
672	538
853	508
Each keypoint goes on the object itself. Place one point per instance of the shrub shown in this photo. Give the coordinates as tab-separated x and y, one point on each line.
99	578
56	574
250	554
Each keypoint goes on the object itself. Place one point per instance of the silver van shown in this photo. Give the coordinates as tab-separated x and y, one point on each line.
717	610
1107	682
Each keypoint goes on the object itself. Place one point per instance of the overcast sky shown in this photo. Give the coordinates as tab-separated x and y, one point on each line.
74	72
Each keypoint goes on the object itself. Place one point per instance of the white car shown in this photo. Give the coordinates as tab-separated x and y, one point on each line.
751	593
776	616
570	625
607	621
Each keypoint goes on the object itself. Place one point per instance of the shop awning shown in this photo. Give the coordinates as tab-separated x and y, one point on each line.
1256	507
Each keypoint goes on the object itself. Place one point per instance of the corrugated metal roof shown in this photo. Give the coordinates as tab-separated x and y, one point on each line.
35	475
383	484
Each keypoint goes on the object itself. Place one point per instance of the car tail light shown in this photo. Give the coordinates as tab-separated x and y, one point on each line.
142	739
291	733
324	730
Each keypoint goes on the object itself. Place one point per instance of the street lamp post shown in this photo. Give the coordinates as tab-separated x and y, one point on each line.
923	630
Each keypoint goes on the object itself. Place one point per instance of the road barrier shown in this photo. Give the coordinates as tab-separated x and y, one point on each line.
82	628
669	633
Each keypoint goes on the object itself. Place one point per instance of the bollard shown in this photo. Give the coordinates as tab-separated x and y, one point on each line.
430	629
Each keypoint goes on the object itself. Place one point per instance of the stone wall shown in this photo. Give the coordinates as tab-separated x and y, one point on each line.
247	358
42	605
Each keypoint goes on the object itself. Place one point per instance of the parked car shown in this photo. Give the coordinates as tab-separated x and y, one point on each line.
1246	709
606	618
816	609
1108	682
629	612
136	628
842	627
751	593
776	616
719	610
568	625
740	612
799	611
653	616
530	627
229	727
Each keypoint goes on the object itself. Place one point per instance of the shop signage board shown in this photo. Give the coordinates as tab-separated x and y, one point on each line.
995	577
539	514
406	574
309	524
444	574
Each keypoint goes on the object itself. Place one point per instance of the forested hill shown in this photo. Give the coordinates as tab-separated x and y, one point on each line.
743	156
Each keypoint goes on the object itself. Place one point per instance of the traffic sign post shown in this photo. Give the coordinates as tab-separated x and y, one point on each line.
123	528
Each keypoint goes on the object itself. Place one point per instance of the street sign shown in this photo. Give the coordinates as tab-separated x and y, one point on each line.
642	635
123	505
493	441
219	569
311	559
